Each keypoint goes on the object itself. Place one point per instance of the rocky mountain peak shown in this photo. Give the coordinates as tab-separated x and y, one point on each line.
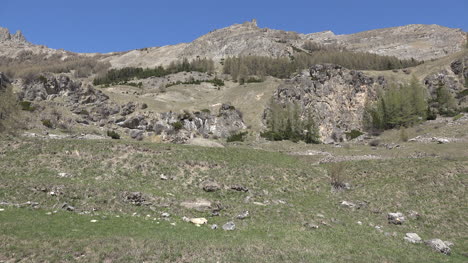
6	36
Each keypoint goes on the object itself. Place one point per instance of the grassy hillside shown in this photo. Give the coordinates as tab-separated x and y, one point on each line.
287	194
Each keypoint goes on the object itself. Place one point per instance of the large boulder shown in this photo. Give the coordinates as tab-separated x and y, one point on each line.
438	245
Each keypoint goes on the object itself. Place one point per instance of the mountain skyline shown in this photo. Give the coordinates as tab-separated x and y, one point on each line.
118	26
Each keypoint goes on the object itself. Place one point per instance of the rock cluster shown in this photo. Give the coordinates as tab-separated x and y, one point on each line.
180	128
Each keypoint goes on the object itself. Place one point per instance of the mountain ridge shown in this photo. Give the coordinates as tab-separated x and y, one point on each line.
414	41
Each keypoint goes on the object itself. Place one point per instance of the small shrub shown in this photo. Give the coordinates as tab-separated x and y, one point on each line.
47	123
114	135
253	80
177	125
353	134
336	174
26	106
403	135
42	79
374	143
238	137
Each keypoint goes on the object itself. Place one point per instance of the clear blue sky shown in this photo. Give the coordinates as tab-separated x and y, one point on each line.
116	25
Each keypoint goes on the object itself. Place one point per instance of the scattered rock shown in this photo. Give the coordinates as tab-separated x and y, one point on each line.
440	140
395	218
198	204
438	245
93	221
414	215
239	188
243	215
198	221
413	238
1	209
135	198
311	226
64	175
163	177
165	214
214	226
68	207
359	223
229	226
348	204
210	186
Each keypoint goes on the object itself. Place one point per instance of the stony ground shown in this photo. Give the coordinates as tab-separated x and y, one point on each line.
124	201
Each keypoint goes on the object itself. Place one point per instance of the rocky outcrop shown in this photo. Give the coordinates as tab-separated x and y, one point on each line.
454	78
91	104
333	95
181	127
6	36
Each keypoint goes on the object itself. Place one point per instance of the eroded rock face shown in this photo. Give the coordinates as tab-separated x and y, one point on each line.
180	128
333	95
85	100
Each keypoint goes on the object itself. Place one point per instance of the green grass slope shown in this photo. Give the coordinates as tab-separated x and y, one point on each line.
285	193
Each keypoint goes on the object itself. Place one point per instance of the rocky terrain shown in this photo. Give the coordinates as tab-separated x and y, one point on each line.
174	167
421	42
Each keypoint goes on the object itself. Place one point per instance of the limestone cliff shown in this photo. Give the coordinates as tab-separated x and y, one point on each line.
333	95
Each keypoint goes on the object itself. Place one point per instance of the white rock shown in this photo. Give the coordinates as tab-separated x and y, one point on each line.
1	209
198	221
165	215
438	245
412	238
396	218
229	226
348	204
93	221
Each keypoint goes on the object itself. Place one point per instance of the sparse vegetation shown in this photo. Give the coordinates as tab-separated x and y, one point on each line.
285	123
353	134
397	107
113	134
26	106
115	76
242	68
29	64
177	125
9	110
47	123
216	82
238	137
445	102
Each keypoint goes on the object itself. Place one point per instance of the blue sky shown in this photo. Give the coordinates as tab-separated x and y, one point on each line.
116	25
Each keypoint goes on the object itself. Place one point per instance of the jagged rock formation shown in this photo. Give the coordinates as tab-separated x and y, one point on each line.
421	42
89	103
179	128
11	45
333	95
5	36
